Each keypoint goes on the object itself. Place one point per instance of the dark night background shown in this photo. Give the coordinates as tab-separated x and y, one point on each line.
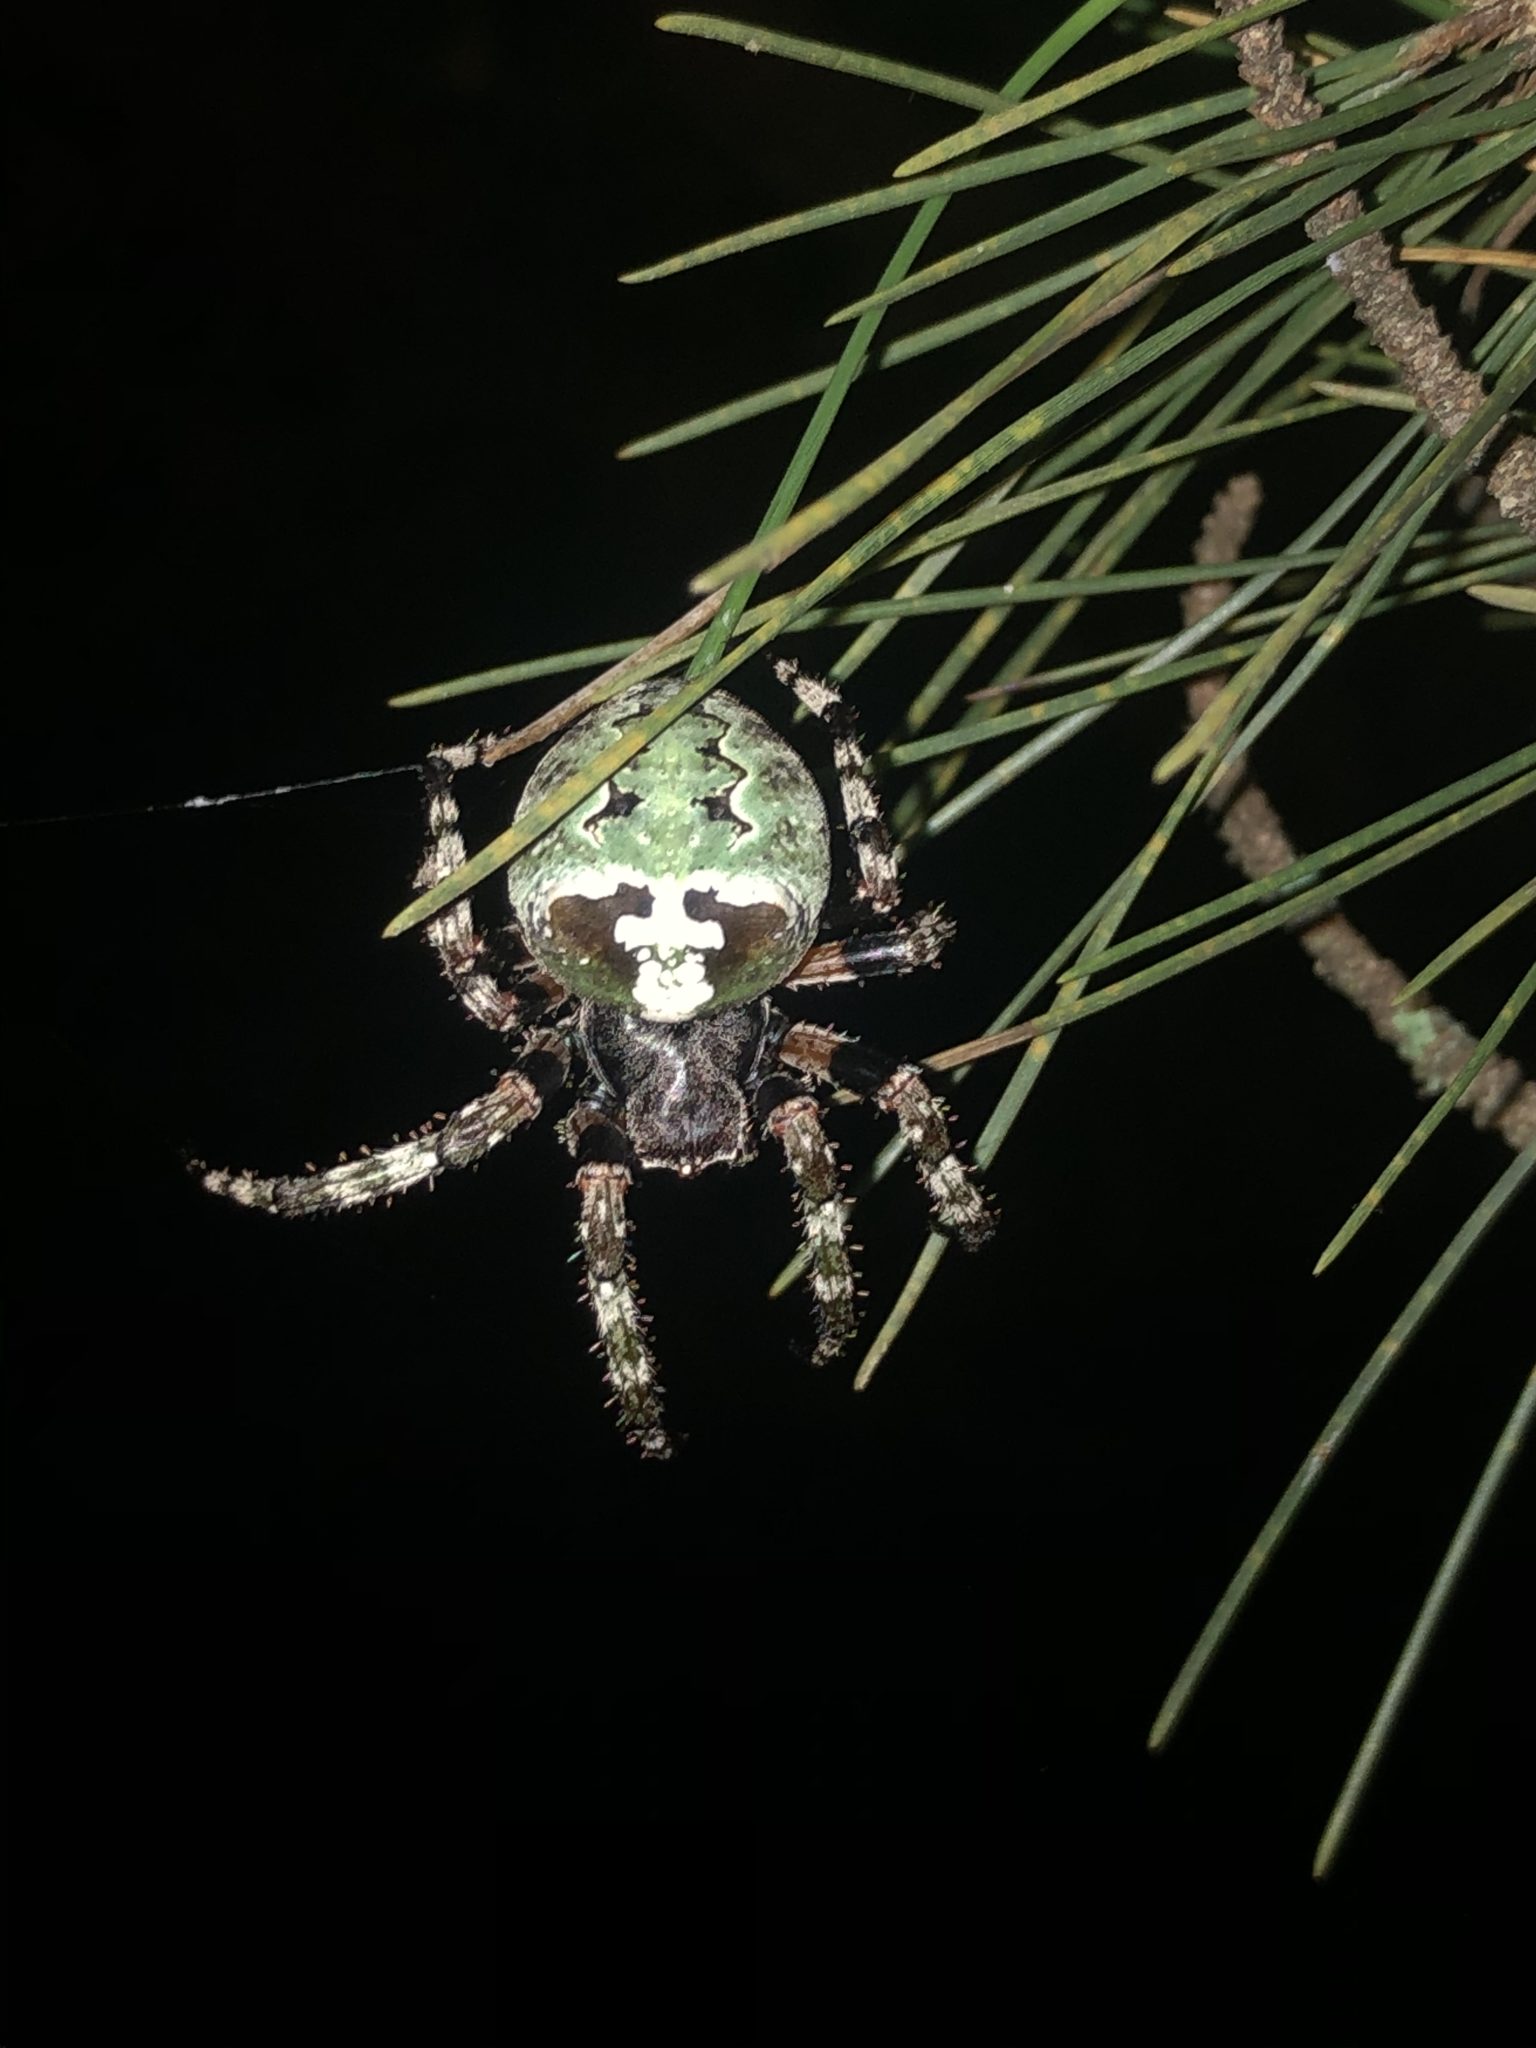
364	1683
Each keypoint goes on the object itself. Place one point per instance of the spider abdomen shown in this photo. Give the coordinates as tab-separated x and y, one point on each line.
692	881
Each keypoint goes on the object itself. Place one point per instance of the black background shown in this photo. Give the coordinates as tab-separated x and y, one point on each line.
365	1680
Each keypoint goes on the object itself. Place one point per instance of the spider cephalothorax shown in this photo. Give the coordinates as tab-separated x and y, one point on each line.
654	922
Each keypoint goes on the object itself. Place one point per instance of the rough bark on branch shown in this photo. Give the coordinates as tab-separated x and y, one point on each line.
1384	300
1427	1038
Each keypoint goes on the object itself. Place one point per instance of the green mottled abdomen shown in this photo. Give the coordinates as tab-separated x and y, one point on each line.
694	879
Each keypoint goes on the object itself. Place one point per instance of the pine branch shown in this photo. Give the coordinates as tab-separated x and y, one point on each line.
1384	301
1427	1038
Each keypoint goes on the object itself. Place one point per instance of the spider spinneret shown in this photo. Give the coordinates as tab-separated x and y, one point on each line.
657	920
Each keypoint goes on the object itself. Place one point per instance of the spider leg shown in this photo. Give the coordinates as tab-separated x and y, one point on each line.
460	948
792	1117
459	1140
877	883
884	949
876	945
959	1209
603	1178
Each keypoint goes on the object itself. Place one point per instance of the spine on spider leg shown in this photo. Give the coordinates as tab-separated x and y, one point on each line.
878	883
445	841
462	1139
793	1118
889	949
602	1181
452	935
959	1208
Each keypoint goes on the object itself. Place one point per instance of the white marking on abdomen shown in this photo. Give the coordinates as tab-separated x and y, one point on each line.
669	948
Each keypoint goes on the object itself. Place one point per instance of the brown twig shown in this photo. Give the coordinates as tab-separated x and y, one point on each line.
1495	21
1384	300
1428	1039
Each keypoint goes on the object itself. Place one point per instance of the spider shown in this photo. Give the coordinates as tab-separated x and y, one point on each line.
654	925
